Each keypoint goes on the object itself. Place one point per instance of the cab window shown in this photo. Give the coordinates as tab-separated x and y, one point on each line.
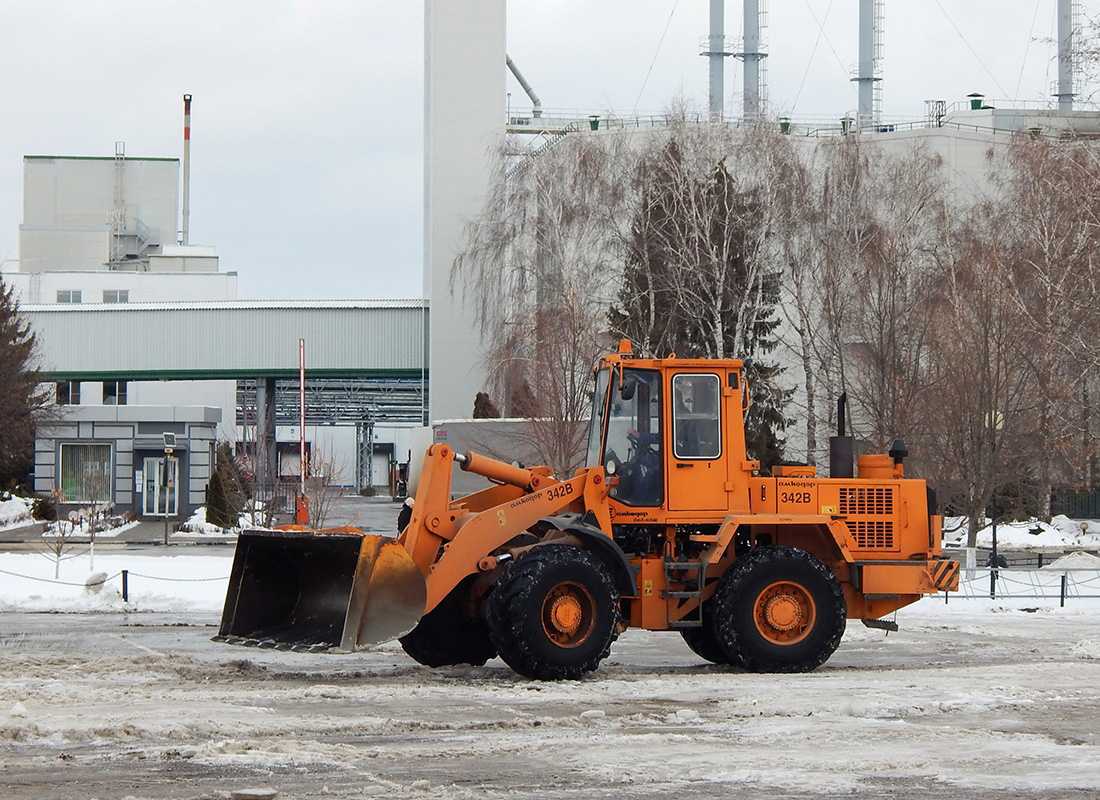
695	416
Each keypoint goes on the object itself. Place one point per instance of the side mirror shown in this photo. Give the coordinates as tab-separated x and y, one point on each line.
628	387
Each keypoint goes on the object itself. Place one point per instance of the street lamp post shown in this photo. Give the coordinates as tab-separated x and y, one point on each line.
166	482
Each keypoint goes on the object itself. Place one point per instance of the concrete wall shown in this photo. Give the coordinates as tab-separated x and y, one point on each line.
62	192
465	107
35	288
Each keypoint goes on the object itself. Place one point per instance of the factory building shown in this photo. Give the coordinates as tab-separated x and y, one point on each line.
151	359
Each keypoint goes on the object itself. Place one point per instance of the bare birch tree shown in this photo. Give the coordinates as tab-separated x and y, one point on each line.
539	267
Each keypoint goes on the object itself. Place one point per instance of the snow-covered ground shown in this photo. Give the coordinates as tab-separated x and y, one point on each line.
974	699
1059	534
167	583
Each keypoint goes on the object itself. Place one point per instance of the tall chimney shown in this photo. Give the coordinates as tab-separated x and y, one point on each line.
716	54
753	58
1068	15
870	56
184	229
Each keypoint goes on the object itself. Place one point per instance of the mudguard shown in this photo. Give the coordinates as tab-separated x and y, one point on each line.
602	546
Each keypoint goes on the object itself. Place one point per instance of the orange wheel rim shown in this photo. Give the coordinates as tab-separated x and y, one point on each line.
784	612
568	614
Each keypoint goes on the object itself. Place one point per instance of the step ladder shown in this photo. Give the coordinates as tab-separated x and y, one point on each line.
696	567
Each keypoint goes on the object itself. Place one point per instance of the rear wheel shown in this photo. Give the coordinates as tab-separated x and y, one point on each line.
554	613
449	635
703	641
779	609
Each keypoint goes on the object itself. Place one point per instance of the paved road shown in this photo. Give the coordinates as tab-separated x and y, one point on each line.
956	706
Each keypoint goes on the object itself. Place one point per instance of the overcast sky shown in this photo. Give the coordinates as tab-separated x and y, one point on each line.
307	118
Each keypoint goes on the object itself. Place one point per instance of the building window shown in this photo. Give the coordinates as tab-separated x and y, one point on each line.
114	296
68	393
114	393
86	473
68	295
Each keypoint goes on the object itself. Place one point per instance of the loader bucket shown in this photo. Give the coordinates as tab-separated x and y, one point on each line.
318	592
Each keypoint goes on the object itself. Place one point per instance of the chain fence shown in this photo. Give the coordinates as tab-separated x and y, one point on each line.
124	574
1027	583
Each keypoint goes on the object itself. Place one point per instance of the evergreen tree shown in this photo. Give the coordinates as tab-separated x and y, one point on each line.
20	397
225	494
693	283
484	407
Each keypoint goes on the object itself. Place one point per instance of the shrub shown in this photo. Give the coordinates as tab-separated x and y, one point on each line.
44	508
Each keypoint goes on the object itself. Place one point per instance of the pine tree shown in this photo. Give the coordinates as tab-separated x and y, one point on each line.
693	284
20	397
484	407
225	494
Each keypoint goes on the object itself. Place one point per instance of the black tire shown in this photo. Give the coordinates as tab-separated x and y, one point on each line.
554	613
448	635
703	641
779	609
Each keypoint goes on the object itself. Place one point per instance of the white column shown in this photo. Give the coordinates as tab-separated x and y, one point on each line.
464	108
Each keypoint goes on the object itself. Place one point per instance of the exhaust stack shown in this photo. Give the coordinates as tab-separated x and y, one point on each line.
186	223
842	463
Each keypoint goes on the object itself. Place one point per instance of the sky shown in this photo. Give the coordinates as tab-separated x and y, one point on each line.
307	116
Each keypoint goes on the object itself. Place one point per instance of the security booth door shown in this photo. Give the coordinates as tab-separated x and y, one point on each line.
697	472
161	487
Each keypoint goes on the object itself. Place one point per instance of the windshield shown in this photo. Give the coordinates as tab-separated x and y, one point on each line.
634	438
595	429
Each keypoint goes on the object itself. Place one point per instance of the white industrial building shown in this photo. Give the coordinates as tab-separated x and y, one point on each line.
145	343
468	113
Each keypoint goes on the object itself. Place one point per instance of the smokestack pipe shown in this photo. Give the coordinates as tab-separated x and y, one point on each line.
752	84
1066	35
717	56
186	224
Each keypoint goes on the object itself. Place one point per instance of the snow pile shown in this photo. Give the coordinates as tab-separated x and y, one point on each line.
167	583
1076	560
15	511
1087	648
83	529
197	525
1060	533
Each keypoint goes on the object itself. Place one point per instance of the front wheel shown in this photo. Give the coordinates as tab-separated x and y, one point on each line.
779	609
554	613
449	635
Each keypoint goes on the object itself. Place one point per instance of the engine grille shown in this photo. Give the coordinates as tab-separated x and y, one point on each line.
870	512
858	501
876	534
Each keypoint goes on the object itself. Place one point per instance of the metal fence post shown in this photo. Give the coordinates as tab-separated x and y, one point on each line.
1064	582
125	586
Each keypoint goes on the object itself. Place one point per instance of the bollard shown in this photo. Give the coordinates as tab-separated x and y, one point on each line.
125	586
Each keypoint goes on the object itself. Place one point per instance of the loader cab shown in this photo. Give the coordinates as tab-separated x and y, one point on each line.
669	433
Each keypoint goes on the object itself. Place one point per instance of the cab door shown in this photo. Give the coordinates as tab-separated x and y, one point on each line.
696	463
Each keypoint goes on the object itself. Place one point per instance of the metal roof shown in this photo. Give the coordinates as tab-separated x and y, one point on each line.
230	340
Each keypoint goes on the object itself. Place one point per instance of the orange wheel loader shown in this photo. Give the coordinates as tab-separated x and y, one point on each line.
670	526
